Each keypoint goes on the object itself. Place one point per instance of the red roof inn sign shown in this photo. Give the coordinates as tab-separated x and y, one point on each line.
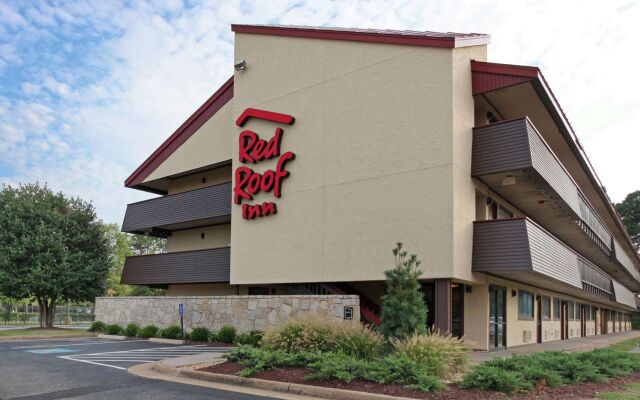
252	150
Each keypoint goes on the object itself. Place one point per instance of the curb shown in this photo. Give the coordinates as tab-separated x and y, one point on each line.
282	387
10	338
112	337
166	341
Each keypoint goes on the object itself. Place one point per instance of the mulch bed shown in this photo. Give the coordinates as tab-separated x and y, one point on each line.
297	375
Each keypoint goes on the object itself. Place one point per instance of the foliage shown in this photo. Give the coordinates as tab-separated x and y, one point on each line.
200	334
122	245
252	338
149	331
52	248
553	368
98	326
630	392
113	329
404	311
132	330
330	365
172	332
629	210
635	321
317	334
226	334
257	359
442	355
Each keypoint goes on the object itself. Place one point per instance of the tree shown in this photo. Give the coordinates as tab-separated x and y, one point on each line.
404	311
52	248
629	211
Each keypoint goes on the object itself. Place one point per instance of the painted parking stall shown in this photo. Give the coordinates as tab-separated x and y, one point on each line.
124	359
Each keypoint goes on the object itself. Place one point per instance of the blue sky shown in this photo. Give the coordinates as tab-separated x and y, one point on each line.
88	89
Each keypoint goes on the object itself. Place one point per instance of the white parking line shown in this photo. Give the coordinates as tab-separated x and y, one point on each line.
139	356
61	344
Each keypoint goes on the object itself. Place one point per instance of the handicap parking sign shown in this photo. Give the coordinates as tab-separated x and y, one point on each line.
180	310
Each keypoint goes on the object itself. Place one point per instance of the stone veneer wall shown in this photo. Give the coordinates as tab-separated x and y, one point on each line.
244	312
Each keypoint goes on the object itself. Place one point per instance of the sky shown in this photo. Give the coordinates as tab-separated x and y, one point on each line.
88	89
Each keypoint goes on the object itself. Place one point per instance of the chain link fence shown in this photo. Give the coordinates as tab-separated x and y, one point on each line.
27	314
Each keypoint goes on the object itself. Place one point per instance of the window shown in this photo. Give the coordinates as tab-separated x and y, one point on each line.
504	213
571	310
556	308
258	291
525	305
546	308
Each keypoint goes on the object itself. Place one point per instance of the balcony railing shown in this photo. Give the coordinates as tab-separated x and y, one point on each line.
200	207
513	159
520	249
199	266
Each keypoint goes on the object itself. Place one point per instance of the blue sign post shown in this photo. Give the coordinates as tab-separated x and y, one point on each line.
181	314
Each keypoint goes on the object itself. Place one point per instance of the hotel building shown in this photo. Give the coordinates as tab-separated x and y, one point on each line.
328	146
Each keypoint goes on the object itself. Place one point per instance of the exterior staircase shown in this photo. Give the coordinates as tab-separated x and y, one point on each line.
369	310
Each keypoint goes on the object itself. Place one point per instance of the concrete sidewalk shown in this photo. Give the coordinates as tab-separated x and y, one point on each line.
578	344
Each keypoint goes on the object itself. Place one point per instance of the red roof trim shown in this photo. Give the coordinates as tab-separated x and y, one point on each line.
505	69
266	115
411	38
184	132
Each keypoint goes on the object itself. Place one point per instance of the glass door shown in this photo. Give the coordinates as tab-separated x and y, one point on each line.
497	318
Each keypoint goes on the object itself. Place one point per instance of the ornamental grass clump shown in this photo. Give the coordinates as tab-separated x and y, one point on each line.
113	329
132	330
316	334
442	355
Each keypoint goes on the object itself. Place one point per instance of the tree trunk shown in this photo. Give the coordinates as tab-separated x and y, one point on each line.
47	312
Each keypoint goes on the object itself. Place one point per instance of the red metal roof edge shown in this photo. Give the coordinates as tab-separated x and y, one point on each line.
534	72
164	151
446	40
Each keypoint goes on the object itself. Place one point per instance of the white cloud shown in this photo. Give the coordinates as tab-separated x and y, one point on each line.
84	125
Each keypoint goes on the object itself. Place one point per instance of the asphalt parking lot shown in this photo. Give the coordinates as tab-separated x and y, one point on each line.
90	368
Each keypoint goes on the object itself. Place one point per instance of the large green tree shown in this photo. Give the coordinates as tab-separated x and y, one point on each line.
629	210
52	248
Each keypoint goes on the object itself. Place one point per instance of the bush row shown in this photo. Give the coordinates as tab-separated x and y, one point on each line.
226	334
523	373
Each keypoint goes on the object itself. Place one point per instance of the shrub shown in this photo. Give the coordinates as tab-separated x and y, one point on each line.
442	355
200	334
113	329
252	338
612	363
404	311
312	333
132	330
172	332
149	331
227	334
488	377
256	359
97	326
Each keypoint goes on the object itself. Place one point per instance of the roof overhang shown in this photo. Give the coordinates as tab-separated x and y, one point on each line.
406	38
488	77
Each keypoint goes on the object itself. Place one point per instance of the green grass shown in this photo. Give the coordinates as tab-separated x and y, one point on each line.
625	345
39	332
631	392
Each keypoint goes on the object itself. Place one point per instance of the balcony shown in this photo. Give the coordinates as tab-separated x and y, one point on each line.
195	208
519	249
160	270
514	161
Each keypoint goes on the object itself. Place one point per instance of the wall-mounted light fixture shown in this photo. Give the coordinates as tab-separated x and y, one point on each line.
240	66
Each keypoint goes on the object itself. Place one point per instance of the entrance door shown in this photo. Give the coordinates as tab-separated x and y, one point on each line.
457	309
583	320
564	321
497	318
539	319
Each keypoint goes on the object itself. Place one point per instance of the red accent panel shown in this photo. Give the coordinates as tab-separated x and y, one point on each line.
266	115
184	132
490	76
411	38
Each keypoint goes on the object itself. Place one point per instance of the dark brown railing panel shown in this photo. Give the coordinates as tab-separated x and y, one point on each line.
209	204
199	266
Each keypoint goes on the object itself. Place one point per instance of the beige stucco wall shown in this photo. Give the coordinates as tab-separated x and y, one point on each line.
343	208
187	240
211	144
211	289
195	181
476	317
